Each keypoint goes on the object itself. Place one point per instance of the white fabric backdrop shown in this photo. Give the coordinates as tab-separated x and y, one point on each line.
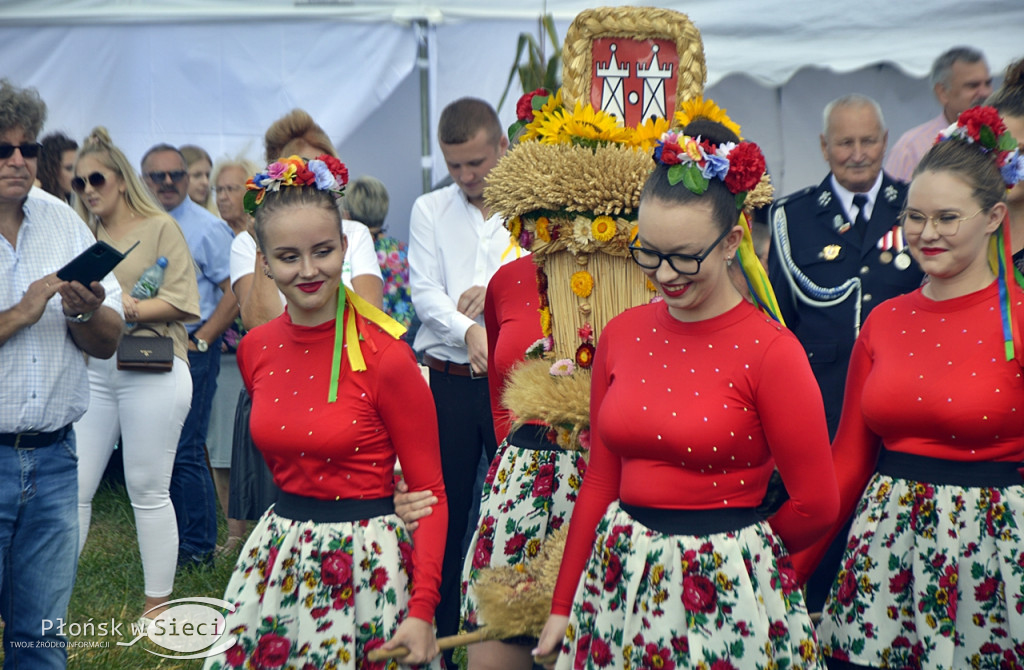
217	72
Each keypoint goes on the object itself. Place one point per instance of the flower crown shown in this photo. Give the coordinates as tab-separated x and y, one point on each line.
325	172
982	126
695	162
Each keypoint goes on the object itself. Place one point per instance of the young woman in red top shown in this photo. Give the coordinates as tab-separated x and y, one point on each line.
326	575
931	439
694	402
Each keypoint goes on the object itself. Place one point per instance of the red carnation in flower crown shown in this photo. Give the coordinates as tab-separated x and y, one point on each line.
336	167
746	165
304	175
973	119
524	108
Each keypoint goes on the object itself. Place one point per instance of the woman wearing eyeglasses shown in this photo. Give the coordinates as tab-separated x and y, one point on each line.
931	441
145	409
695	400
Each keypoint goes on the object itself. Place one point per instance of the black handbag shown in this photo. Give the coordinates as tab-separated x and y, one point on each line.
145	354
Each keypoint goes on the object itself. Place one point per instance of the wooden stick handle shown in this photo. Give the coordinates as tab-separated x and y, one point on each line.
449	642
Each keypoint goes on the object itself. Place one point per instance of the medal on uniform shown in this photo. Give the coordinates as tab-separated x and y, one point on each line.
840	225
893	243
831	252
891	193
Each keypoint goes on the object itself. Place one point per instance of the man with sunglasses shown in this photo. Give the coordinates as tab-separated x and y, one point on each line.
837	251
44	391
209	239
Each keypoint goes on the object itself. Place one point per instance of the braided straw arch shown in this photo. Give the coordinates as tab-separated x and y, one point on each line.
628	22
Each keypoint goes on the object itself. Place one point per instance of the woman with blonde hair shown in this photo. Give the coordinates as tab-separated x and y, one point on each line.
145	409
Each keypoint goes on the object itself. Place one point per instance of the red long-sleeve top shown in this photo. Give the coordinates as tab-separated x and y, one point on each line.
928	378
347	449
513	324
696	416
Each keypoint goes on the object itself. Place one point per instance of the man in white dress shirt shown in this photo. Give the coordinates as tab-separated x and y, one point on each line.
455	247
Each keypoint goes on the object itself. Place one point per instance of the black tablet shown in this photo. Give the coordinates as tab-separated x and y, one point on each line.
93	264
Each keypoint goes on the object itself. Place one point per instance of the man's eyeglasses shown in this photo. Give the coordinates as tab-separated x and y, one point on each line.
96	180
228	188
161	177
947	223
684	264
30	150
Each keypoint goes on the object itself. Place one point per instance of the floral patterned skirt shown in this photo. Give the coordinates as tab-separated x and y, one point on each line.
527	495
932	577
317	595
714	602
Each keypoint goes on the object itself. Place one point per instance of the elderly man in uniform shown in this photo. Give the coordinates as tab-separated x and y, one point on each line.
46	325
837	251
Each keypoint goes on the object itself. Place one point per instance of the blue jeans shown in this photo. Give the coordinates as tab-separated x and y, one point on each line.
38	550
192	492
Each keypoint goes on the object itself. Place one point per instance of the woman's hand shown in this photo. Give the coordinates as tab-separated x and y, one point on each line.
418	637
411	507
551	638
130	305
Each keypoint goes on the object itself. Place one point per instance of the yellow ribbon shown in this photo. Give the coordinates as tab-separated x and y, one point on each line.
349	332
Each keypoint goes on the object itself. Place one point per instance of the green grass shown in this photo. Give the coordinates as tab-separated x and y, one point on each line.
109	587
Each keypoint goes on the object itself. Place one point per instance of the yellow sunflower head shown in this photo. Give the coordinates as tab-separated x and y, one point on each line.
545	321
706	109
647	134
547	121
593	127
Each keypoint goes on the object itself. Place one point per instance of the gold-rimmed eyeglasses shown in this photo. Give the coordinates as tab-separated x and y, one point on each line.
947	222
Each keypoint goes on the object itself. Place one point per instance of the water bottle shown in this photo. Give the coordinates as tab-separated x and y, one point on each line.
150	281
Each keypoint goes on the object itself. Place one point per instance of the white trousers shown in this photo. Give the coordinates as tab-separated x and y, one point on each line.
147	410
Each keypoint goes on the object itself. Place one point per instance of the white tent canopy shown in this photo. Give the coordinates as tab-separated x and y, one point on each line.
217	72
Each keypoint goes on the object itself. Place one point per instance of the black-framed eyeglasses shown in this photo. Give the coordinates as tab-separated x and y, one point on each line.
161	177
28	150
947	223
96	180
684	264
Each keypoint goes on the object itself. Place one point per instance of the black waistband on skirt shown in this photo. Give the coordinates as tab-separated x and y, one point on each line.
534	437
301	508
693	521
988	474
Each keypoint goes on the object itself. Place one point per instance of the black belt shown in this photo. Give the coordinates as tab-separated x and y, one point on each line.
693	521
944	472
449	368
34	440
532	437
301	508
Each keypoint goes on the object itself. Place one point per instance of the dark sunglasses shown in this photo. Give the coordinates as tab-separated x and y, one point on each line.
27	150
161	177
96	180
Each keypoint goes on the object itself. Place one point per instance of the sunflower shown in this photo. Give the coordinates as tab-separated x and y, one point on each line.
533	129
603	228
545	321
646	135
582	283
552	128
590	127
705	109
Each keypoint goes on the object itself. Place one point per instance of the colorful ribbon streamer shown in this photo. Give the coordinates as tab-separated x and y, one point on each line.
349	333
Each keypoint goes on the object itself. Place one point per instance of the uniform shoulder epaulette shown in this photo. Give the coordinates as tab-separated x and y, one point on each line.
795	195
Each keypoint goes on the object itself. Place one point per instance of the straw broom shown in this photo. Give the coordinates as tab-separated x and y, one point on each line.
514	600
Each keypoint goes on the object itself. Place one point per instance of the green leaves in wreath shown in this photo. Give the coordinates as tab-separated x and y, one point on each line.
691	177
